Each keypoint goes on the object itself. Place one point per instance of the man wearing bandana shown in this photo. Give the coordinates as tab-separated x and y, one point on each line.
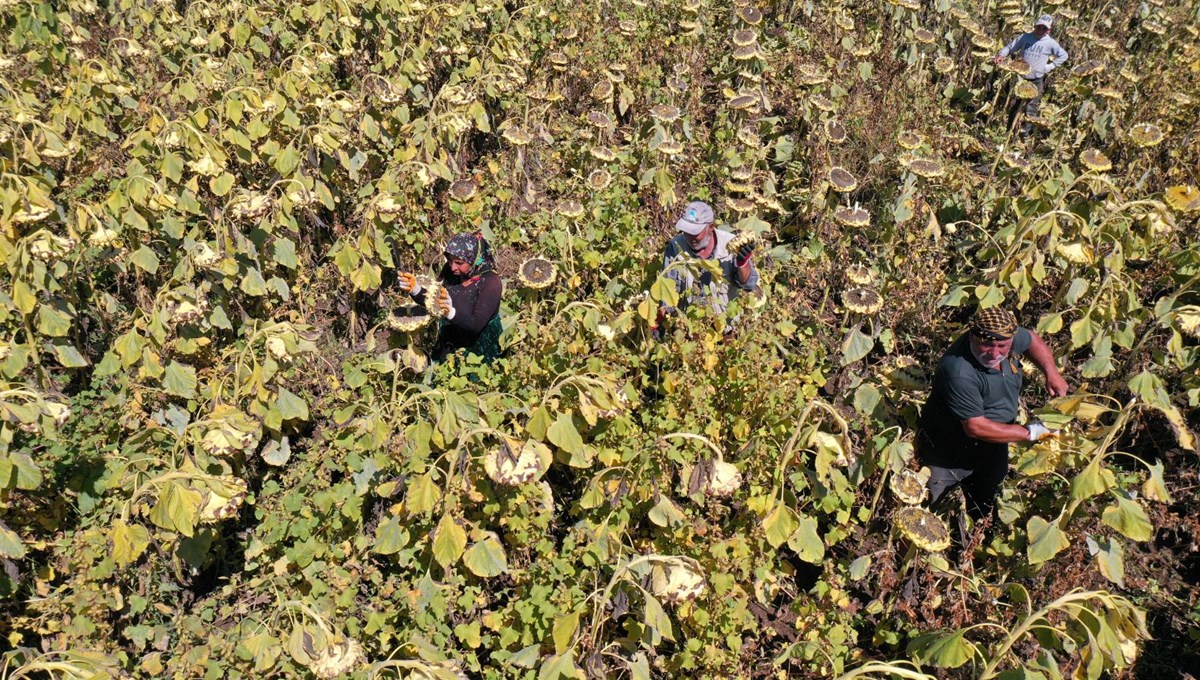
700	239
970	417
470	299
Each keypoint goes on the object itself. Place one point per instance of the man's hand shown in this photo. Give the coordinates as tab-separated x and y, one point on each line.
998	59
744	253
1038	431
406	282
1057	386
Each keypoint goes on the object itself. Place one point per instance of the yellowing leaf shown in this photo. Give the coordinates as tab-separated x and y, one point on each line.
128	542
486	558
1129	518
1045	540
449	541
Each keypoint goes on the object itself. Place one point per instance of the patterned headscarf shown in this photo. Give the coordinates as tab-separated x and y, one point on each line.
472	248
994	324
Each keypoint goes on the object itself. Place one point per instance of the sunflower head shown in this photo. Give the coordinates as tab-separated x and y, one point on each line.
925	529
835	131
599	179
924	36
602	153
433	291
599	119
743	102
909	487
664	113
1025	90
1146	135
750	16
860	274
464	190
841	180
926	167
602	90
1183	197
862	300
1088	68
1095	161
943	65
516	136
537	273
408	318
742	239
907	139
745	36
1015	161
570	208
852	217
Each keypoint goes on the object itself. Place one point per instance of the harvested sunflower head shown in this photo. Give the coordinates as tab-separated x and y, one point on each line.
926	530
408	318
841	180
433	293
852	217
742	240
1095	161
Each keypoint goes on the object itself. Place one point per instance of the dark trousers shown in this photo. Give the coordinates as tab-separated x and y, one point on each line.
979	473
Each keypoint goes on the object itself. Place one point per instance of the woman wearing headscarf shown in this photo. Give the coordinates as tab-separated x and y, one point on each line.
469	298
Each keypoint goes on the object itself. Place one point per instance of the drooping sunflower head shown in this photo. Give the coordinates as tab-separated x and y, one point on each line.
677	582
602	153
926	167
924	36
537	273
745	36
750	16
1090	67
570	208
602	90
664	113
943	65
1095	161
599	119
907	139
852	217
1025	90
743	102
742	239
835	131
516	136
1183	197
860	274
1146	135
1015	161
862	300
926	530
464	190
599	179
909	487
842	180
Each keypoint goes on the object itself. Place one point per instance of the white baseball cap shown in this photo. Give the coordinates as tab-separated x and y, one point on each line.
1044	20
696	216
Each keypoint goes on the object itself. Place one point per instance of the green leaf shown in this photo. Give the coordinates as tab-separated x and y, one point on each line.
779	525
179	380
52	322
807	542
291	406
11	546
19	471
1129	518
128	542
654	616
559	666
1110	559
221	184
423	495
856	345
177	508
564	435
69	357
145	259
390	537
1095	479
486	558
942	650
564	631
449	541
1045	540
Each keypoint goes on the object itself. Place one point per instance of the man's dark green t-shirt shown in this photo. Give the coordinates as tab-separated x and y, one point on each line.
964	388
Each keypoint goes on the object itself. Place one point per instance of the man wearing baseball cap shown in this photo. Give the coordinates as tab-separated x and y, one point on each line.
700	239
970	417
1043	54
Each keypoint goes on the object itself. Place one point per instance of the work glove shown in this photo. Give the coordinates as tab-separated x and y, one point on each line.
1038	431
445	303
743	246
407	283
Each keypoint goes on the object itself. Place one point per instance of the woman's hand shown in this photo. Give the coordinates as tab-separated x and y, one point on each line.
445	303
407	282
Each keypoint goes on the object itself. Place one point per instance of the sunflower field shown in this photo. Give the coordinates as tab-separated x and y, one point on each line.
225	452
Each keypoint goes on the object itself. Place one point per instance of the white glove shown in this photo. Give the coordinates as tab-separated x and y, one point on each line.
1038	431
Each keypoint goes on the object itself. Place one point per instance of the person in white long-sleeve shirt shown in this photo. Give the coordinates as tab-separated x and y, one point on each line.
1042	53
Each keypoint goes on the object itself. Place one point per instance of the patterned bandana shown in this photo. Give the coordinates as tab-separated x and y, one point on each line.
994	324
472	248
